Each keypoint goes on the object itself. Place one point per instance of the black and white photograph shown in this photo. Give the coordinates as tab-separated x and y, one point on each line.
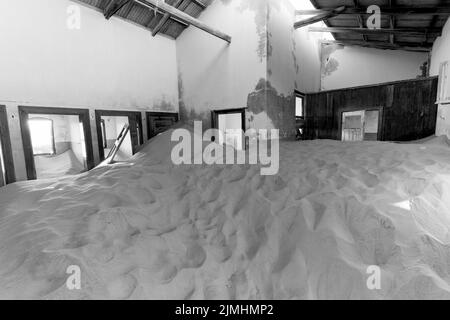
242	151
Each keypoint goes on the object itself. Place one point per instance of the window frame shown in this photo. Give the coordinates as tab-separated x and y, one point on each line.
25	111
151	116
134	122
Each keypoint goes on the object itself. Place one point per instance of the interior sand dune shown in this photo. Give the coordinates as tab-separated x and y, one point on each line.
59	165
146	229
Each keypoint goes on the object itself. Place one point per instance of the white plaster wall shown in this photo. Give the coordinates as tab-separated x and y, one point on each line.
281	61
352	66
104	65
307	47
439	54
294	55
214	74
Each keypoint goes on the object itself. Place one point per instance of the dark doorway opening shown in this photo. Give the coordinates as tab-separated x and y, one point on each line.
56	141
7	174
110	124
158	122
230	122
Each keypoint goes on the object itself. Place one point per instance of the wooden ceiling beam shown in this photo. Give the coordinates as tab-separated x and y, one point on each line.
417	32
383	45
114	6
320	17
166	17
392	23
359	18
180	15
394	11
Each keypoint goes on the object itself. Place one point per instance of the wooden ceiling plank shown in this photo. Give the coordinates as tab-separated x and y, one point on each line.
114	6
395	11
199	3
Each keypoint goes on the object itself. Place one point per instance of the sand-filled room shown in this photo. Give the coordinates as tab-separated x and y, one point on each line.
224	150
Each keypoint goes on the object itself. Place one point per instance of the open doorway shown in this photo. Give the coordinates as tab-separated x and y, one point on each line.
7	174
361	125
110	124
299	114
57	141
232	123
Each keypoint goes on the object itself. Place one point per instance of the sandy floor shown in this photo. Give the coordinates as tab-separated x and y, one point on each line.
149	230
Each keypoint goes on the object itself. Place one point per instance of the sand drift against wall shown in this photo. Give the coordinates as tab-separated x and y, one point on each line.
148	229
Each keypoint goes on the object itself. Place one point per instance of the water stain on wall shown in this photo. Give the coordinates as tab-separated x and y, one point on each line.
164	105
188	115
329	64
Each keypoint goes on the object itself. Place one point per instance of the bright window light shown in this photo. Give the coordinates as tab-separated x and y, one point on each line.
83	143
307	5
299	107
42	138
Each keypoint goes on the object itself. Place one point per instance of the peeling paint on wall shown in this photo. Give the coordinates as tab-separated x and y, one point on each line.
260	9
277	108
253	59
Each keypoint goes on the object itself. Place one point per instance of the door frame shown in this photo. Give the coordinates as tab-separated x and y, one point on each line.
5	140
380	120
149	114
215	116
133	118
25	111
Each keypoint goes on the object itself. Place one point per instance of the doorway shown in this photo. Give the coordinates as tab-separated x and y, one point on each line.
56	141
232	124
7	174
110	124
361	125
158	122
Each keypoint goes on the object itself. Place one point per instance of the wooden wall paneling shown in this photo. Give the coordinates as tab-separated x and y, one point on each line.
408	109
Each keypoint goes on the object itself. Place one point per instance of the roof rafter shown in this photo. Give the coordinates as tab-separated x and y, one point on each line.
184	17
166	16
400	31
382	45
320	17
395	11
